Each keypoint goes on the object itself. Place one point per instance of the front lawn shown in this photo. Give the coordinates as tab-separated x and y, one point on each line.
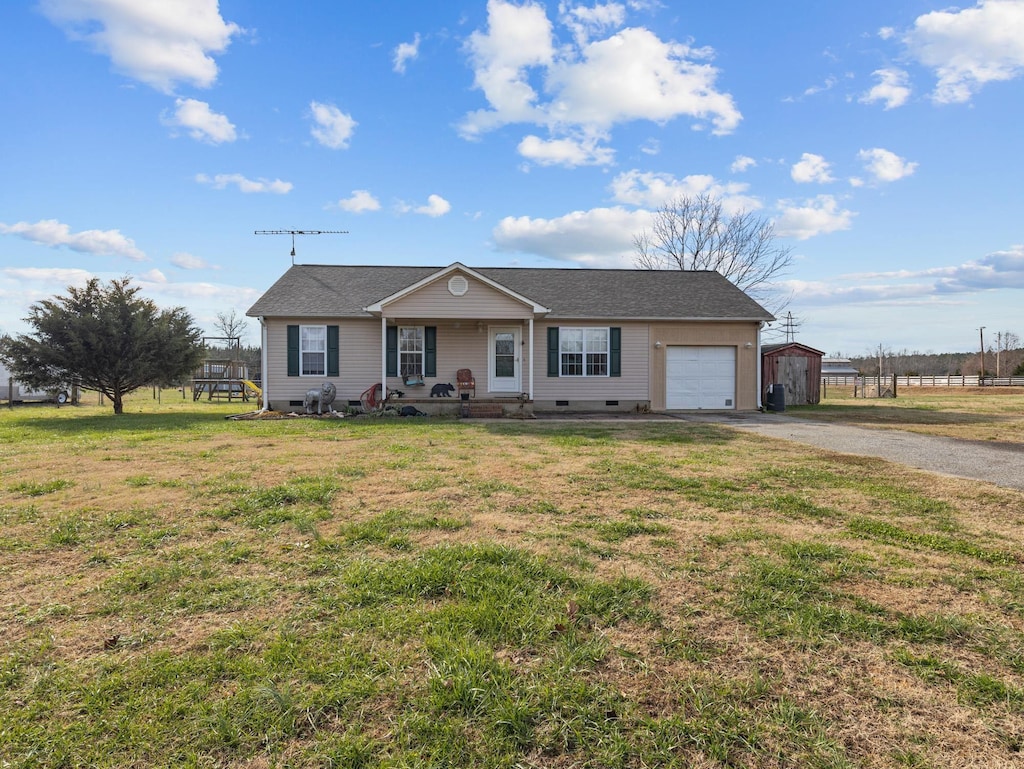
179	589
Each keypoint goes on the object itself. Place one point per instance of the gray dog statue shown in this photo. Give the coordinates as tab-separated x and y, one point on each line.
322	399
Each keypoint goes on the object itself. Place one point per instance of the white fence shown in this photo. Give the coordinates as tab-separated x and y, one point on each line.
926	381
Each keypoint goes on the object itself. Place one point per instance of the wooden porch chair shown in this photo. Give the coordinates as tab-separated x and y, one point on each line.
464	381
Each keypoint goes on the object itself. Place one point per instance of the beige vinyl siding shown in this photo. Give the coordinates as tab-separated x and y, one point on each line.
479	302
359	354
631	386
696	333
459	345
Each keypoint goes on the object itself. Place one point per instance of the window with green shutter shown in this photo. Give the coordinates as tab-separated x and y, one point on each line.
585	352
313	350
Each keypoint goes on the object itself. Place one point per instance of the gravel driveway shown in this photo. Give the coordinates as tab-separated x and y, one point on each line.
998	463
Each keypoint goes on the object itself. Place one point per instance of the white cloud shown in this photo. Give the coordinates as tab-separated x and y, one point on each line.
152	41
185	261
201	122
589	85
50	232
153	276
436	206
566	152
584	22
333	128
221	181
828	85
601	237
405	52
518	37
818	216
969	48
886	33
651	147
57	276
884	165
999	270
20	287
811	168
203	301
205	296
741	164
892	88
652	190
634	75
359	202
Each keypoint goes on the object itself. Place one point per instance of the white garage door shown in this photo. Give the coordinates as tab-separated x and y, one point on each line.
700	378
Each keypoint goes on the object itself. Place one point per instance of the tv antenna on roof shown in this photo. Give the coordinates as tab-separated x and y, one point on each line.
293	233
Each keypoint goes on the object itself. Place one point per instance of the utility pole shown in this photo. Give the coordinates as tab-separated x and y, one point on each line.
981	374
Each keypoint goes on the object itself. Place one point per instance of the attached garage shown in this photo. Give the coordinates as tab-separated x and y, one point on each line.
699	377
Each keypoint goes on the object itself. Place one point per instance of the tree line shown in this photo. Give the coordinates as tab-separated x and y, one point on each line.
1002	361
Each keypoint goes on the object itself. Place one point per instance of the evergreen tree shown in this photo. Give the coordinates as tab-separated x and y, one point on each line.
105	337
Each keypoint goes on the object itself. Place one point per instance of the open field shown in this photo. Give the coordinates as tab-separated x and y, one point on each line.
183	590
972	413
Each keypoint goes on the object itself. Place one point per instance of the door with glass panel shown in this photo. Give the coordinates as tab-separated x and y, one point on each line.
505	359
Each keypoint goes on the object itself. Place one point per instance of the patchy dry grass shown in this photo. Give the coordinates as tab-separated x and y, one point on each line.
180	589
971	413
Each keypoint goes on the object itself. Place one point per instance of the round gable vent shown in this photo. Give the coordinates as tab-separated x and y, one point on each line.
457	285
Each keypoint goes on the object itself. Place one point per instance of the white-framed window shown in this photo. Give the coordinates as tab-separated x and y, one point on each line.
583	351
313	350
411	347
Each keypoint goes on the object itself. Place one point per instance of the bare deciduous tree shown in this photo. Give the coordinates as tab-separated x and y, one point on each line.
1006	341
230	324
695	233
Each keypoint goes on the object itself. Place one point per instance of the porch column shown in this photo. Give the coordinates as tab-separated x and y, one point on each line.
264	366
383	357
530	352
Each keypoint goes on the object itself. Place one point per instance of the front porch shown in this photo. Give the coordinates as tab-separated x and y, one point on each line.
425	359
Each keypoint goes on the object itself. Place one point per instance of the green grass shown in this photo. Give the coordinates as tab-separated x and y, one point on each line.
200	592
29	489
891	534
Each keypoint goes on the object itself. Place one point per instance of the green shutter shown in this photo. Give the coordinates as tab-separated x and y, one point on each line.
293	351
615	348
430	351
332	351
392	351
553	351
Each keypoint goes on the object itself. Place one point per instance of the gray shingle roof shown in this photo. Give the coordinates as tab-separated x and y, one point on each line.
308	290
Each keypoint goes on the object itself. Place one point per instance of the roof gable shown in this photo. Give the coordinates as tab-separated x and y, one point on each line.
784	346
452	269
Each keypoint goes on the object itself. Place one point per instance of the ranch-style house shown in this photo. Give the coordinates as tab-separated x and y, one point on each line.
533	339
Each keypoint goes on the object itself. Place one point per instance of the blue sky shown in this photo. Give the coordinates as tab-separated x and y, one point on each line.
882	138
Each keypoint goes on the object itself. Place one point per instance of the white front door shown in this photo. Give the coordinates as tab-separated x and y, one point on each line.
505	360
